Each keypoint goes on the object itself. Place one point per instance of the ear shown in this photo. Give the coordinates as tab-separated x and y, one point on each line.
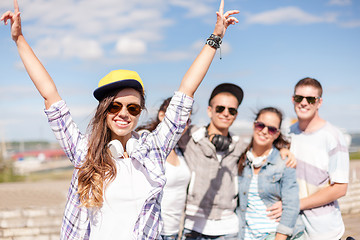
277	135
292	99
209	112
161	115
319	103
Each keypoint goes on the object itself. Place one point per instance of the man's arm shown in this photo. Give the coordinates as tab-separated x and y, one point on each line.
324	196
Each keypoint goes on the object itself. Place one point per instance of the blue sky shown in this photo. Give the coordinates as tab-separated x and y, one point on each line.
275	44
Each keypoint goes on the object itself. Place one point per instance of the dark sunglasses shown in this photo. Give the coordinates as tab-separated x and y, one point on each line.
220	109
133	108
310	100
260	126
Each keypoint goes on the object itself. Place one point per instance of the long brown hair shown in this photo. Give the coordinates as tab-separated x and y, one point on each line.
279	143
99	168
153	124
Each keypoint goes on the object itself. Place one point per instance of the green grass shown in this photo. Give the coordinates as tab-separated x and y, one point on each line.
355	155
48	176
7	173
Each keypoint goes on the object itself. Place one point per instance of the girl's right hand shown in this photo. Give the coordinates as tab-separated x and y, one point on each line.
15	21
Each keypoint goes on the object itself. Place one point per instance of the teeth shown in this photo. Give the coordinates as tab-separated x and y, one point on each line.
121	122
262	137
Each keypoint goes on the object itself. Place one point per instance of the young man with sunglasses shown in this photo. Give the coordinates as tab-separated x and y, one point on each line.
212	153
322	164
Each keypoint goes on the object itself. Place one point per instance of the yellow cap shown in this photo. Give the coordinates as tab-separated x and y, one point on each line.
118	79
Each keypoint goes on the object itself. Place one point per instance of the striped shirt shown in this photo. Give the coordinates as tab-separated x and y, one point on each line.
257	223
151	152
322	159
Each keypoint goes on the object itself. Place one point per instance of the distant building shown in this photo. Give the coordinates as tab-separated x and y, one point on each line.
40	155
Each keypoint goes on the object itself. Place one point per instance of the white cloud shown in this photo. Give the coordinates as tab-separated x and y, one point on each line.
351	24
292	15
194	8
69	47
130	46
340	2
7	91
48	48
54	26
81	48
174	56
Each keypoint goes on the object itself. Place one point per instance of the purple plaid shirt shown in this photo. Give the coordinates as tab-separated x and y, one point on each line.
151	151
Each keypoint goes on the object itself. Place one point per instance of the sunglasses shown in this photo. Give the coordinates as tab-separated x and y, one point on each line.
133	108
220	109
260	126
310	100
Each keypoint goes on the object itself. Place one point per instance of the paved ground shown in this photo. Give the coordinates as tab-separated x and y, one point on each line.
36	194
53	193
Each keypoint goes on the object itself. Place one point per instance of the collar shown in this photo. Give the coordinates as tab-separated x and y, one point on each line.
271	159
201	133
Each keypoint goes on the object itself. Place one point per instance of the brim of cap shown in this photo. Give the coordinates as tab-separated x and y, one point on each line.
101	92
230	88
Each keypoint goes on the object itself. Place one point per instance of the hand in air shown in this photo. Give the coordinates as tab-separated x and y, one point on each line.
224	20
15	21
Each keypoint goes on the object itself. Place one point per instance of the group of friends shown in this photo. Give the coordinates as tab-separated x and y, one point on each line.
170	179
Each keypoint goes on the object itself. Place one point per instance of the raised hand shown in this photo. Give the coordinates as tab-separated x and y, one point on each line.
15	21
224	20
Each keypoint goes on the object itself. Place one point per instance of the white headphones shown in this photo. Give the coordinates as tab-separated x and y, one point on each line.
117	149
256	161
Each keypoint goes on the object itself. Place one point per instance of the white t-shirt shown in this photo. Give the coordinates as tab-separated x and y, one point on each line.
258	224
123	201
322	159
174	195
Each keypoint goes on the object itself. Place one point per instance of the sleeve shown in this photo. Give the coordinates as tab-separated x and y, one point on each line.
163	139
338	158
290	202
169	131
73	143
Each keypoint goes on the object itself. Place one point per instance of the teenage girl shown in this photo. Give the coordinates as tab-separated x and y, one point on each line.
118	177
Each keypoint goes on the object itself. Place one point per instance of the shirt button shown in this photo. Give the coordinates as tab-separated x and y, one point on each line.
244	193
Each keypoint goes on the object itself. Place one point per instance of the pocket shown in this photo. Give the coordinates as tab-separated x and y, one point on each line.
274	178
273	184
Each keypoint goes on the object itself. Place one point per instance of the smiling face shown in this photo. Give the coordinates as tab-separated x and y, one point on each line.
122	123
304	110
263	138
221	121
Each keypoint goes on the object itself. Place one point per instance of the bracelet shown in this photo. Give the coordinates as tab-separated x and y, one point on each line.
214	41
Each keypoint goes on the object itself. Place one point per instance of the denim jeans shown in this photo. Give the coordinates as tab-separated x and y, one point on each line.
170	237
192	235
271	236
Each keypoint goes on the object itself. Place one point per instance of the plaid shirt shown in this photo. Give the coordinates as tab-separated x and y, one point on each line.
151	152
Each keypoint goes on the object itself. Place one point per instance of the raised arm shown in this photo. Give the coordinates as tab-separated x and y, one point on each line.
38	74
200	66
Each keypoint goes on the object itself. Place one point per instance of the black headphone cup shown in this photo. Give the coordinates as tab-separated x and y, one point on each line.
221	142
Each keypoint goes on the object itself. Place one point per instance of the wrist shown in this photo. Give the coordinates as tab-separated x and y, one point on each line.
18	39
214	41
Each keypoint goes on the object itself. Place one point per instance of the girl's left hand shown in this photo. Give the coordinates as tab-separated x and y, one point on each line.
224	20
